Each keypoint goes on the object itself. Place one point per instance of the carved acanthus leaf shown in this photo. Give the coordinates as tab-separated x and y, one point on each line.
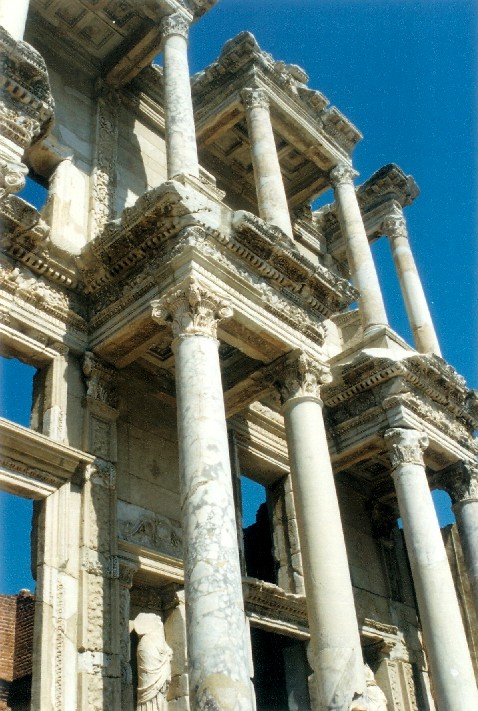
299	376
342	174
175	24
405	446
254	99
394	224
192	309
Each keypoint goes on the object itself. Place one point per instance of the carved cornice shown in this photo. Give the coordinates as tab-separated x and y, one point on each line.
268	603
405	446
460	480
299	292
192	309
26	108
22	285
24	236
342	174
426	373
389	181
242	53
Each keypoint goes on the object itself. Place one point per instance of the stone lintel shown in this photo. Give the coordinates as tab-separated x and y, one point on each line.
34	465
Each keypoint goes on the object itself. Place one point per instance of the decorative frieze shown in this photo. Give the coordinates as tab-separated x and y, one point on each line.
145	528
193	309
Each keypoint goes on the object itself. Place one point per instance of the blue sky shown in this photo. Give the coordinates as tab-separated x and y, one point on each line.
404	72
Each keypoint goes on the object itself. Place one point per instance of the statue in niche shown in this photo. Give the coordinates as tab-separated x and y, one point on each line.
377	701
154	663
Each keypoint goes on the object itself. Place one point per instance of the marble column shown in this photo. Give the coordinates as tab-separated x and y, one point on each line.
217	651
394	226
13	17
271	197
461	482
335	652
444	636
181	148
362	268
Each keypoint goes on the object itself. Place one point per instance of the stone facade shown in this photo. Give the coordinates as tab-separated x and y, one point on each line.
188	315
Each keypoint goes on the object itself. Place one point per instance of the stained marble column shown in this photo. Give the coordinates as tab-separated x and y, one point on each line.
13	17
215	623
444	636
181	148
359	255
419	316
335	652
271	197
461	482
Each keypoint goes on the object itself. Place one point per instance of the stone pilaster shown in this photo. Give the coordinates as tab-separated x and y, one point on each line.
99	605
126	570
394	226
444	636
461	482
26	104
55	396
181	148
334	652
217	651
362	268
271	196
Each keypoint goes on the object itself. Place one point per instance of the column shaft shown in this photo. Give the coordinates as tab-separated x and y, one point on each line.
181	148
13	17
217	658
362	268
271	196
444	635
419	316
336	654
466	513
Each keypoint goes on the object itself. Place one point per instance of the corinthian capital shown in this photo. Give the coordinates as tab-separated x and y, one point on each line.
175	24
394	225
300	376
192	309
342	174
254	98
460	481
405	446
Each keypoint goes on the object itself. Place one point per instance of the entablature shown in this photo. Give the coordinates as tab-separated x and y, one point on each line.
377	391
310	137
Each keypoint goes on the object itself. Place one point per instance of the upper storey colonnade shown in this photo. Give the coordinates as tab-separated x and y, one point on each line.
272	198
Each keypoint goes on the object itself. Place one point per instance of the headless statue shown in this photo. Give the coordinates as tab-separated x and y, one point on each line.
154	663
377	701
